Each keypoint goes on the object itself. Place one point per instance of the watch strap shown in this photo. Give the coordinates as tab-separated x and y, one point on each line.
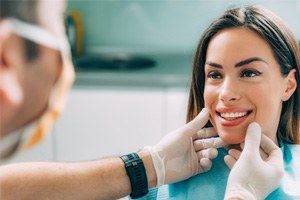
137	174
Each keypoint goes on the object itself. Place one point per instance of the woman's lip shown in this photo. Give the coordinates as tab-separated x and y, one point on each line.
233	121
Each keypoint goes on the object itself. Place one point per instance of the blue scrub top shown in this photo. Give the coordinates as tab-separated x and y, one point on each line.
212	184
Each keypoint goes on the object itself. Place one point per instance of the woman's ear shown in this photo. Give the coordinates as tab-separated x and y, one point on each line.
291	85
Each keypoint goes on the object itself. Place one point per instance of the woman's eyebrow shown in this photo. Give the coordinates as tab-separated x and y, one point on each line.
249	60
239	64
213	64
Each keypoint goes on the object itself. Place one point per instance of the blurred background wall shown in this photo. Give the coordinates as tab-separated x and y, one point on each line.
162	25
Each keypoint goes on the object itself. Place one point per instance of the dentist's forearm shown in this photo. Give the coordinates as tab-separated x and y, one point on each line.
102	179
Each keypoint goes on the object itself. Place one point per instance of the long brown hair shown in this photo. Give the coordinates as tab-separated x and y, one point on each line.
285	49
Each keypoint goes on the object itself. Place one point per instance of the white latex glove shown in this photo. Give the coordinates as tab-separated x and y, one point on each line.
176	158
252	177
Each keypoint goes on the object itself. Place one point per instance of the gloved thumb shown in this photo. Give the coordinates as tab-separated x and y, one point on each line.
197	123
253	137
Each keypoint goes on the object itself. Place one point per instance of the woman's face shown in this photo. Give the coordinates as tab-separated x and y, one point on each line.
243	84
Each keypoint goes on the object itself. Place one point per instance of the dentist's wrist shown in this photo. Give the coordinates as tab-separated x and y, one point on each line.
149	167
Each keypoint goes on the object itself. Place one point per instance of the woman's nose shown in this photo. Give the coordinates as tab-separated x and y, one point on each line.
229	92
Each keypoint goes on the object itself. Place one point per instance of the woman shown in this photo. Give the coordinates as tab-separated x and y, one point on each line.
246	69
273	47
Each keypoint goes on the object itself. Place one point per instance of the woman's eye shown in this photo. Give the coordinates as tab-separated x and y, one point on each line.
250	73
214	75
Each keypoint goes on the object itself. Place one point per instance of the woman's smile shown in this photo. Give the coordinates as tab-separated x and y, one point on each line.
232	117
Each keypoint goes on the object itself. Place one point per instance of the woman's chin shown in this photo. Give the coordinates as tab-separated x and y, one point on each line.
231	139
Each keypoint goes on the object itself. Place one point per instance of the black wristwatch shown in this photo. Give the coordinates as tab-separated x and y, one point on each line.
137	175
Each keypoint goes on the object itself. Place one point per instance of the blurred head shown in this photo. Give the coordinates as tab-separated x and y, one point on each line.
29	70
246	69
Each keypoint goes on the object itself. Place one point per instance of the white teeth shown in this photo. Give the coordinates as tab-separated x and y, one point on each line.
233	114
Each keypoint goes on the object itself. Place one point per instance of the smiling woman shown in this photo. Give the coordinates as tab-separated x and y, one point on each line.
246	69
232	86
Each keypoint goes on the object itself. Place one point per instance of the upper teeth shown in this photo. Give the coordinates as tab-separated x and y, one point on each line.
233	114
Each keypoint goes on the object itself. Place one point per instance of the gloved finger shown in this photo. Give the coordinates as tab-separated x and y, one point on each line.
210	153
263	154
208	143
252	140
229	161
267	144
205	165
276	158
206	133
197	123
235	153
273	152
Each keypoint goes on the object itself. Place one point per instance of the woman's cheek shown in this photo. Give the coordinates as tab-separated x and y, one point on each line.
209	97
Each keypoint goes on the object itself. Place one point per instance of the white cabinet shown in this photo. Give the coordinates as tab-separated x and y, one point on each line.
176	107
110	121
101	122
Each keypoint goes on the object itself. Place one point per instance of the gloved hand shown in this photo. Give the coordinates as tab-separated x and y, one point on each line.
252	177
182	154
